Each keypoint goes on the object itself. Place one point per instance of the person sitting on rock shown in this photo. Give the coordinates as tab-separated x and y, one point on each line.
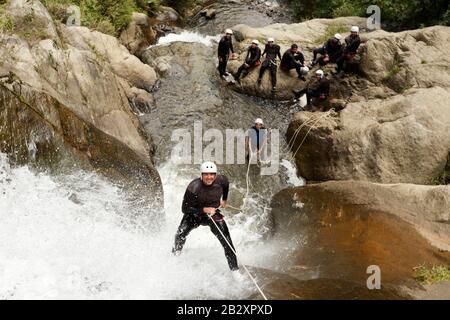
318	93
251	60
352	43
224	52
271	51
331	50
294	59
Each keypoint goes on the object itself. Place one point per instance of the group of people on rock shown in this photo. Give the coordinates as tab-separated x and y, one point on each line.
332	51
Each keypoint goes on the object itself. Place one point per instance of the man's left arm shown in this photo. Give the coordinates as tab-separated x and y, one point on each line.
226	188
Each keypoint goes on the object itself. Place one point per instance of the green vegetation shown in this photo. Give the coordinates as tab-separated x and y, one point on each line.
435	274
444	177
404	13
107	16
6	22
331	30
180	5
392	72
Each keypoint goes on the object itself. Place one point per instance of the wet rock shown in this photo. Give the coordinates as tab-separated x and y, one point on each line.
343	227
139	34
65	96
167	15
282	286
403	138
209	13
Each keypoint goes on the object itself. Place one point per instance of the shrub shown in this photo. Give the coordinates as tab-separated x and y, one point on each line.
407	13
432	275
107	16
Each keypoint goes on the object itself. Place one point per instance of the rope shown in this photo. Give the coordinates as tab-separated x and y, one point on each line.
307	133
231	247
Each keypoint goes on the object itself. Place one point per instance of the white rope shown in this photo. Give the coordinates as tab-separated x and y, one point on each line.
307	133
231	247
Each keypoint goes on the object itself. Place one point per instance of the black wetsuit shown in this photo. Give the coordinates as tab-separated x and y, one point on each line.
271	52
223	51
253	56
199	196
320	90
351	48
332	48
292	60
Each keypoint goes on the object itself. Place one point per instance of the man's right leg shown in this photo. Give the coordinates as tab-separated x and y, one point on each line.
186	226
261	72
273	76
309	95
239	72
222	65
316	52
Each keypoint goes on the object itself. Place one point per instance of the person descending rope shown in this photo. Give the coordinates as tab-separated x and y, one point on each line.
256	142
224	52
201	203
294	59
251	61
318	93
329	52
352	43
271	51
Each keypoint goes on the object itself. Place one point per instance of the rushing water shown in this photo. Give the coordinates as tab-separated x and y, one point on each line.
68	237
74	237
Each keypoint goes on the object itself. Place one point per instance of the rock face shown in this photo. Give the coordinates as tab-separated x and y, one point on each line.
396	118
341	228
139	34
399	139
65	92
407	59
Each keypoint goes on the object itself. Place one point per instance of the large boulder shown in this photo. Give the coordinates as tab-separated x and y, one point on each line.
407	59
109	49
65	98
403	138
342	228
307	35
139	34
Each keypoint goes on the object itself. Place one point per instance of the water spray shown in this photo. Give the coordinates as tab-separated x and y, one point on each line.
245	268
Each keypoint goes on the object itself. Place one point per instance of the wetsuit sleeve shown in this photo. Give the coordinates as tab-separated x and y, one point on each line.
324	88
279	53
190	203
256	58
326	46
231	46
226	187
265	51
300	57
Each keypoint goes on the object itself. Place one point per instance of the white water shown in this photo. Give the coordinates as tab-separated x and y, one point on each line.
187	36
69	238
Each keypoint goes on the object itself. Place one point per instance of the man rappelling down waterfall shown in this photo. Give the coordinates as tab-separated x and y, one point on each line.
202	200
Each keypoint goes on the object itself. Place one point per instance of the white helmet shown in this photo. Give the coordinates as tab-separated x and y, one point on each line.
208	167
354	29
304	70
259	120
319	73
229	31
338	36
270	40
255	42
